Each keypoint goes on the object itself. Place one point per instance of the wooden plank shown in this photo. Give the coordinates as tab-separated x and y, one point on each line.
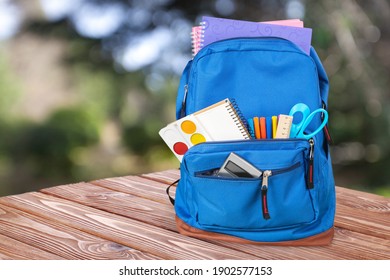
345	245
167	176
125	204
362	221
132	233
86	194
346	192
61	240
362	246
364	201
363	212
4	256
135	185
15	250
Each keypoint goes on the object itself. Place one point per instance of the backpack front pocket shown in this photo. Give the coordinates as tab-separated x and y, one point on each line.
277	199
224	202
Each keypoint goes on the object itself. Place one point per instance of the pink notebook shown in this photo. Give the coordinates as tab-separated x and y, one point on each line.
286	22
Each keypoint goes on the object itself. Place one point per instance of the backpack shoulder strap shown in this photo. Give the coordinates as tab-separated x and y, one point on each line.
171	199
323	78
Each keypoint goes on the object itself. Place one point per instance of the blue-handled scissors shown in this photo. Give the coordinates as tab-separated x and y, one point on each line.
298	129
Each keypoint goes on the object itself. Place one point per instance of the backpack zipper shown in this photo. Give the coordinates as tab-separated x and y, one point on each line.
310	173
252	140
264	186
264	190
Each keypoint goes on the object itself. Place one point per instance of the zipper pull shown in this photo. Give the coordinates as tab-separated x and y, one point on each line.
264	189
310	177
183	103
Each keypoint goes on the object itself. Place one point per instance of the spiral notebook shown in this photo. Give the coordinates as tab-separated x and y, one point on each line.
218	122
196	39
214	29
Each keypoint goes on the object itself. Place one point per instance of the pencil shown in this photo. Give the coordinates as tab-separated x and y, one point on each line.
274	125
256	124
263	128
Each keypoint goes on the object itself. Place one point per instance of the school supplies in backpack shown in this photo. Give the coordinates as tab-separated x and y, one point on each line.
292	201
220	121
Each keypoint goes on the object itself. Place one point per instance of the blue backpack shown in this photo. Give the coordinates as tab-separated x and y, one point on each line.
293	202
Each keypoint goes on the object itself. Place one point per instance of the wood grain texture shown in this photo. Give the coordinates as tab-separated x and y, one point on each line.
151	212
11	249
166	177
61	240
363	221
4	256
361	246
335	251
346	245
363	212
125	204
125	231
135	185
131	218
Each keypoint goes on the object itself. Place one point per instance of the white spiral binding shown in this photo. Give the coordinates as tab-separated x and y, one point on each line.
197	38
203	24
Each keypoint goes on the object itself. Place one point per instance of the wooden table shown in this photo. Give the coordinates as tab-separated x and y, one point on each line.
132	218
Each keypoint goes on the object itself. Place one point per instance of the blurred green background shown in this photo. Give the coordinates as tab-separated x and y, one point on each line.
85	85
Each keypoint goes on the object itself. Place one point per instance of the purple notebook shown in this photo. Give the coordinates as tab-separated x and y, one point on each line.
215	29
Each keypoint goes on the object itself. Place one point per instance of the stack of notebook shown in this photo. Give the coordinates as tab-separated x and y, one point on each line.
213	29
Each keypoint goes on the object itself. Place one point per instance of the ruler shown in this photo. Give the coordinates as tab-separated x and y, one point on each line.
284	126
